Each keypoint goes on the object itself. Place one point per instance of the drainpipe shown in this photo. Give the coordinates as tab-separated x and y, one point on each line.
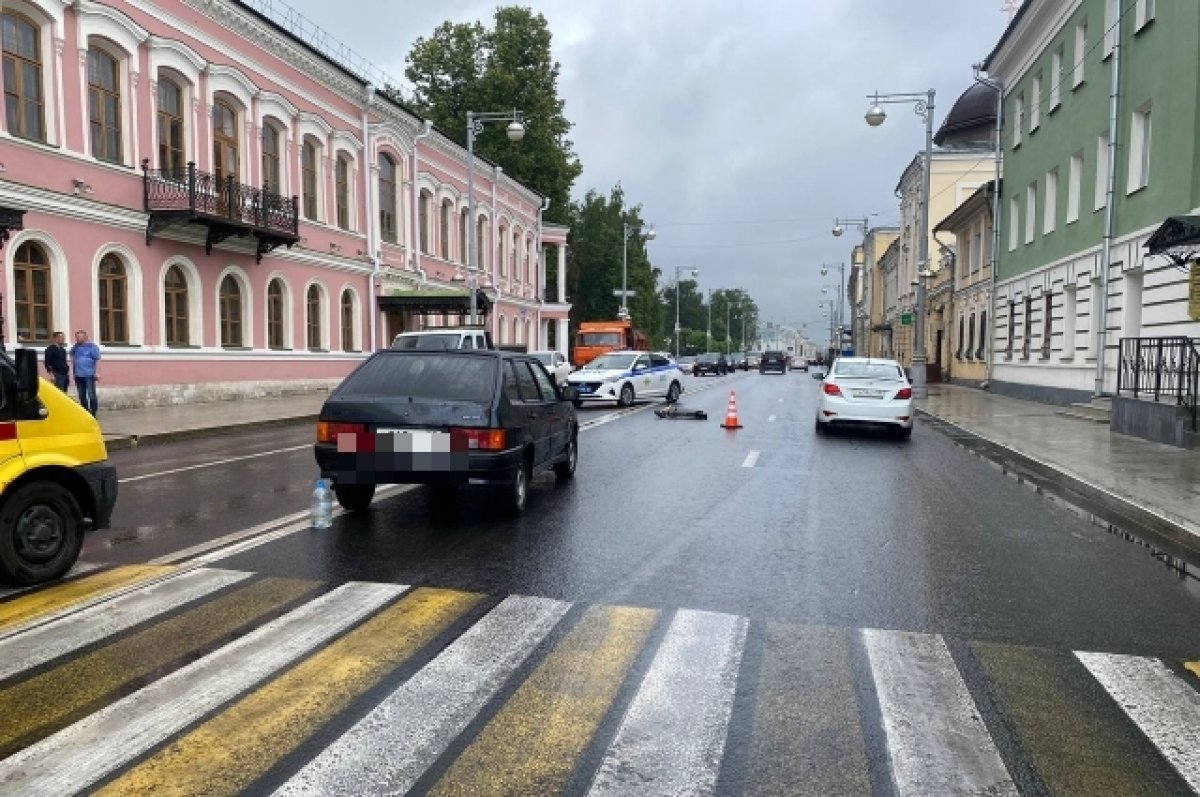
995	258
372	232
1110	207
415	241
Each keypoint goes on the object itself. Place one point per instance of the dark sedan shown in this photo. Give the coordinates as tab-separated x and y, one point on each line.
773	362
710	363
446	418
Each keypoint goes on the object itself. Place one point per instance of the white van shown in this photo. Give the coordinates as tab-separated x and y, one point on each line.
442	338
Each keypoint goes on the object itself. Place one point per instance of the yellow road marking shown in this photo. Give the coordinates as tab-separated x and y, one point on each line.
48	600
34	708
229	752
532	745
1193	667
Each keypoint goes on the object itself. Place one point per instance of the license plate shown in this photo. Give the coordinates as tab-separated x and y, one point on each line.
583	389
868	394
416	441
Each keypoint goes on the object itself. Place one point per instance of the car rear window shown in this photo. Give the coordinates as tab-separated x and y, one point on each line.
424	376
428	341
773	355
868	371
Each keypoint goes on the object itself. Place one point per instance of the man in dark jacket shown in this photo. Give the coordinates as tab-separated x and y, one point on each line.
56	362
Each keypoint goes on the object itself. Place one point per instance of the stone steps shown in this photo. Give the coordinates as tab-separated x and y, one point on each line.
1095	411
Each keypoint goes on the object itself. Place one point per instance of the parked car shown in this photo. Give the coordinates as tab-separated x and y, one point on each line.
798	363
556	363
865	391
772	362
625	376
686	362
446	418
711	363
738	360
442	338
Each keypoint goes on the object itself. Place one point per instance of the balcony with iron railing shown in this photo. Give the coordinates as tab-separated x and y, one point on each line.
224	206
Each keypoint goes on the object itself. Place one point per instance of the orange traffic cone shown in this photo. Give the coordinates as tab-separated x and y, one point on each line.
731	418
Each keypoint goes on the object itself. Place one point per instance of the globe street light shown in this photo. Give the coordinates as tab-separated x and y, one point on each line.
875	116
627	232
515	132
678	271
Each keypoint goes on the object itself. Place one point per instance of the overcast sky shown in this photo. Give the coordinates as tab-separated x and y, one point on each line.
738	126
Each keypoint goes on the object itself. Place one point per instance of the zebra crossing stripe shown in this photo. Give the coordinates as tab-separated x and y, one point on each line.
46	642
936	740
79	755
1158	701
672	738
389	749
43	603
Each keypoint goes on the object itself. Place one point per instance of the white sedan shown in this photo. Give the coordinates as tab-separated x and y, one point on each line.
625	376
866	391
556	364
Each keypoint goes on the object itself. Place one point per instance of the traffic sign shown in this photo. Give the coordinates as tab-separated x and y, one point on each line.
906	319
624	293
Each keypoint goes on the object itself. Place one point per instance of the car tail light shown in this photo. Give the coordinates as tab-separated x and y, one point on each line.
477	439
328	431
832	389
904	393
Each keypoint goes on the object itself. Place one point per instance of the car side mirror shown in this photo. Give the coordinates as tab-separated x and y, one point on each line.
568	393
27	375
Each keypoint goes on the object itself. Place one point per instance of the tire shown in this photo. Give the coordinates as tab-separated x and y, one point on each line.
41	533
818	427
626	397
354	497
904	432
673	392
516	492
565	470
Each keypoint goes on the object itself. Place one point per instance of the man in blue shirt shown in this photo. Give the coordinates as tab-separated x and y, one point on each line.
85	359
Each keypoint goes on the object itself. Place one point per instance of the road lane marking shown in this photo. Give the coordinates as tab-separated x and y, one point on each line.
212	464
21	611
225	755
45	642
672	738
81	754
937	742
389	748
750	460
770	419
1158	701
533	744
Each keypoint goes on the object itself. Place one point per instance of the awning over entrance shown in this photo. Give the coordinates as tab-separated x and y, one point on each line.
1178	238
430	299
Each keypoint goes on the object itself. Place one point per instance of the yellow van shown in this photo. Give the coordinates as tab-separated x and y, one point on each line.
55	478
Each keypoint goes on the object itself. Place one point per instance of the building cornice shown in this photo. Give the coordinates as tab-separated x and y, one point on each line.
1038	23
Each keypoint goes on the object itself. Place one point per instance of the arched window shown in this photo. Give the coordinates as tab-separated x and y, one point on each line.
983	331
23	76
423	221
171	157
532	344
104	104
464	233
308	175
512	255
225	141
270	158
387	198
342	183
175	307
231	311
347	308
312	315
963	350
529	260
114	293
481	243
31	289
275	314
501	262
447	209
503	329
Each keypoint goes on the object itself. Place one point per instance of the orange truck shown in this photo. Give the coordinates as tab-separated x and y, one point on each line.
597	337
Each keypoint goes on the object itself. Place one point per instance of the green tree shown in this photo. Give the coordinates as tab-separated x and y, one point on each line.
465	67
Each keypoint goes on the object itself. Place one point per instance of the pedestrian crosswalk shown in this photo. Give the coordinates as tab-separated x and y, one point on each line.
156	680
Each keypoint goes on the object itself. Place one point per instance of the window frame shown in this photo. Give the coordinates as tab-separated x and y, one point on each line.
1102	171
342	183
229	143
271	162
172	153
1056	68
388	228
99	125
1031	212
1018	119
1035	103
24	62
348	325
310	204
231	312
276	314
28	307
110	317
1143	14
1074	186
1050	205
1079	67
171	316
1141	132
314	328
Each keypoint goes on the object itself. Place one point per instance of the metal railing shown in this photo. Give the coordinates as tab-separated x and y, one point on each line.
204	194
1162	369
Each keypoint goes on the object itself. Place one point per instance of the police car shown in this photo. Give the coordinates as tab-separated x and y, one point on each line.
625	376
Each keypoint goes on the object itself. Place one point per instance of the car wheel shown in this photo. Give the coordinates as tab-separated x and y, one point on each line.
673	392
354	497
41	532
818	427
517	491
565	470
626	398
905	432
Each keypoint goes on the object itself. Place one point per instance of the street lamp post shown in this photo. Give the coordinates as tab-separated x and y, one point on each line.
728	308
515	132
857	267
875	116
708	333
827	306
678	271
841	293
627	231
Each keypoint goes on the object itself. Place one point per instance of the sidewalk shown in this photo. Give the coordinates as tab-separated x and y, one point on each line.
132	427
1155	486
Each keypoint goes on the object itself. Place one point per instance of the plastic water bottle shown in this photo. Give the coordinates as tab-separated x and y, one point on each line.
322	505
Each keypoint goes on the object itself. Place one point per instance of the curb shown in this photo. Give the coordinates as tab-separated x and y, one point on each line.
121	442
1175	537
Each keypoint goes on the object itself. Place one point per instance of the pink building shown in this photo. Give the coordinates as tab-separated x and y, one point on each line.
229	212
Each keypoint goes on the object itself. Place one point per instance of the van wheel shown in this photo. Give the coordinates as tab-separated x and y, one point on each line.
41	533
517	491
354	497
626	396
673	393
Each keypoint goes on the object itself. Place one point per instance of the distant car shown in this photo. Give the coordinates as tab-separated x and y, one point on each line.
625	376
711	363
798	363
753	358
444	338
866	392
686	362
445	418
738	360
772	362
556	363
